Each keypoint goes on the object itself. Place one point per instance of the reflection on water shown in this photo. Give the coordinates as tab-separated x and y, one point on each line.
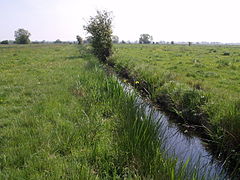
179	144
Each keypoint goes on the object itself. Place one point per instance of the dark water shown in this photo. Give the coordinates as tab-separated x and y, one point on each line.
180	145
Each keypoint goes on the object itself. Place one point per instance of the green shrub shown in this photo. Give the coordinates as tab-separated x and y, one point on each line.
22	36
184	101
79	39
100	28
5	42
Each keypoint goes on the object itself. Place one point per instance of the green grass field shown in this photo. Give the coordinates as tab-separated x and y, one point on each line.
62	117
201	84
214	68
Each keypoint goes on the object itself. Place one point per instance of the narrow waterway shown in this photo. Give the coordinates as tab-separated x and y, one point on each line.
178	144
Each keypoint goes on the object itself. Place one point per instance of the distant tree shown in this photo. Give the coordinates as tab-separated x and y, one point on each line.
172	42
22	36
189	43
145	39
79	39
5	42
88	40
100	28
123	42
58	41
115	39
35	42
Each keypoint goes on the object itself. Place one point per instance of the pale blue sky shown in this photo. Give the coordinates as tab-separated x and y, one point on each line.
177	20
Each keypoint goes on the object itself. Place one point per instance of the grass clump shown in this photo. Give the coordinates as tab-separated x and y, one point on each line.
185	101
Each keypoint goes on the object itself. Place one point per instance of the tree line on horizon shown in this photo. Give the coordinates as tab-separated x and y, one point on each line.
22	36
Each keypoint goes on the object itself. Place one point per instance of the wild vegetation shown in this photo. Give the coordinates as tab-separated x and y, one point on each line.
4	42
185	95
100	29
62	117
79	39
22	36
200	84
145	39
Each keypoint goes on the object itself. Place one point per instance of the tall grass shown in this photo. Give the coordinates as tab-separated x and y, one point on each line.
183	100
136	137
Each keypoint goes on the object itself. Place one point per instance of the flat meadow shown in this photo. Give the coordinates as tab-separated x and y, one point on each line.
63	117
214	68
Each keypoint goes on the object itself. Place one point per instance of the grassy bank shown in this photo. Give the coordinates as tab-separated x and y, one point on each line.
61	117
200	84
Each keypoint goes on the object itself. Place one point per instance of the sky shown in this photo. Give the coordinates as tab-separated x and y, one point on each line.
165	20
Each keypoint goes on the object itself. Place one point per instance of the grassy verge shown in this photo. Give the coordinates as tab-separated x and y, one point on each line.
61	117
199	84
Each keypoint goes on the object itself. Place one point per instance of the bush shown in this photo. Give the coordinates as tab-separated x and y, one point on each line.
79	39
22	36
58	41
5	42
186	102
145	39
100	28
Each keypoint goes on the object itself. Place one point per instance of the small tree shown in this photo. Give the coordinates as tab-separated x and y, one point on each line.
115	39
79	39
100	28
22	36
58	41
145	39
